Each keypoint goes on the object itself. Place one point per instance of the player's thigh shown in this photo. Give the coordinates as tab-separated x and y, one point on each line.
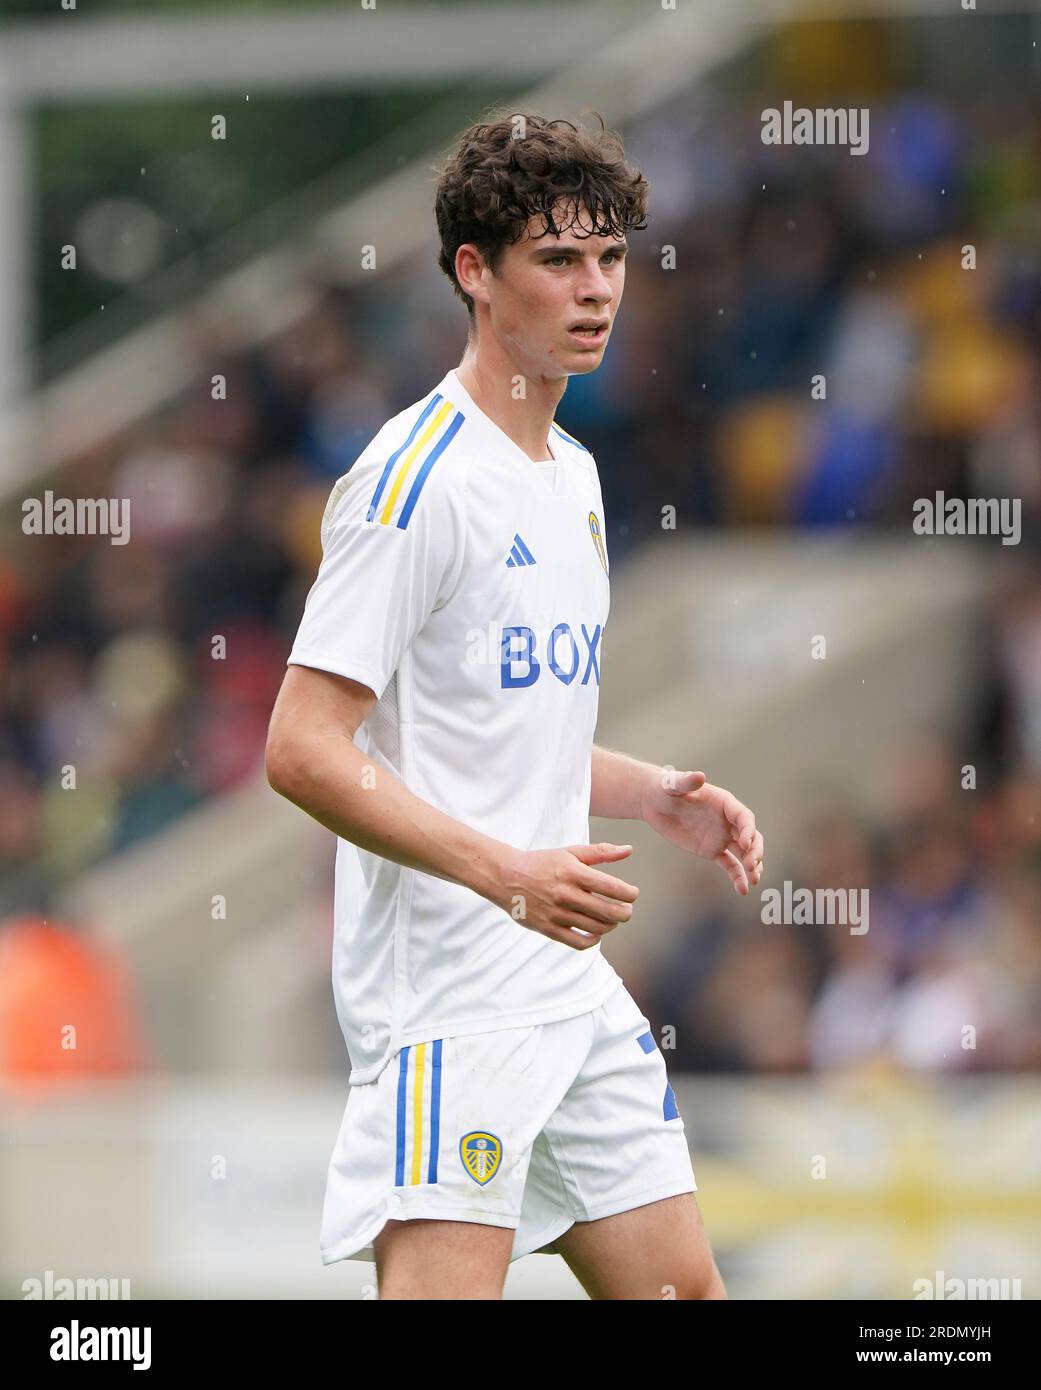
442	1259
660	1250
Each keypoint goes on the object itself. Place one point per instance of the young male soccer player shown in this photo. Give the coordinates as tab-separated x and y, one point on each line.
507	1094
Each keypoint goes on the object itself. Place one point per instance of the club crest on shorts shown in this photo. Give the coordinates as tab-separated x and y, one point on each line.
481	1154
598	539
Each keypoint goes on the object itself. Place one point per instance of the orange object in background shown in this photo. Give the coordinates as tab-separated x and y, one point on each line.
66	1007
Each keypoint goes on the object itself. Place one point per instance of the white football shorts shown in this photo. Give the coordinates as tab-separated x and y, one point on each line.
532	1128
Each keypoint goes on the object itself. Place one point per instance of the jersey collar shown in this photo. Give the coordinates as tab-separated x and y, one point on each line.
454	390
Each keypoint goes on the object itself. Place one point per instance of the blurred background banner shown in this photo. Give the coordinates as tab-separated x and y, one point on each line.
218	279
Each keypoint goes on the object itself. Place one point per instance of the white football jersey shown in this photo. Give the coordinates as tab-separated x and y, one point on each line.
467	586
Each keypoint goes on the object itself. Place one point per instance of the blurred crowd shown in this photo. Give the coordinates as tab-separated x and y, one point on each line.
947	975
143	675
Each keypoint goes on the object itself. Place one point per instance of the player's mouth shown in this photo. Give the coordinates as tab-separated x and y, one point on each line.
590	332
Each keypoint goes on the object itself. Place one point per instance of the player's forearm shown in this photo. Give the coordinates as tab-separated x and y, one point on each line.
618	783
333	781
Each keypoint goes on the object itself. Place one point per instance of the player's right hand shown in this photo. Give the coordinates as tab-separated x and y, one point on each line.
559	893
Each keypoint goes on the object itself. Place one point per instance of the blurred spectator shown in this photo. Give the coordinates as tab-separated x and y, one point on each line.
66	1008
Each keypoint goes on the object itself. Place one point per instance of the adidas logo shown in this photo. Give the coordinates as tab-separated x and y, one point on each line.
519	553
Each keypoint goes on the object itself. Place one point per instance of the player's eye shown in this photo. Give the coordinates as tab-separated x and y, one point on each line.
607	256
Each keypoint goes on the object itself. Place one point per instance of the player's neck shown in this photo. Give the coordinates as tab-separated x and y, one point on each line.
526	421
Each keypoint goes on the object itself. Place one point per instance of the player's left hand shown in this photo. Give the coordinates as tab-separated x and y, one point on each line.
707	821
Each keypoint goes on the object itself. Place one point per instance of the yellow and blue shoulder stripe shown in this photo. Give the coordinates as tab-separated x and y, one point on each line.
392	503
570	437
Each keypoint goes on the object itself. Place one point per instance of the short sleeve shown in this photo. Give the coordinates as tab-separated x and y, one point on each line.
384	570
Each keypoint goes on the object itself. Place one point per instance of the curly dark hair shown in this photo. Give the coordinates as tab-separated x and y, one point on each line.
509	168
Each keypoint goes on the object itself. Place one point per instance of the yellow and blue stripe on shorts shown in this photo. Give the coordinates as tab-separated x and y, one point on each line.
418	1113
